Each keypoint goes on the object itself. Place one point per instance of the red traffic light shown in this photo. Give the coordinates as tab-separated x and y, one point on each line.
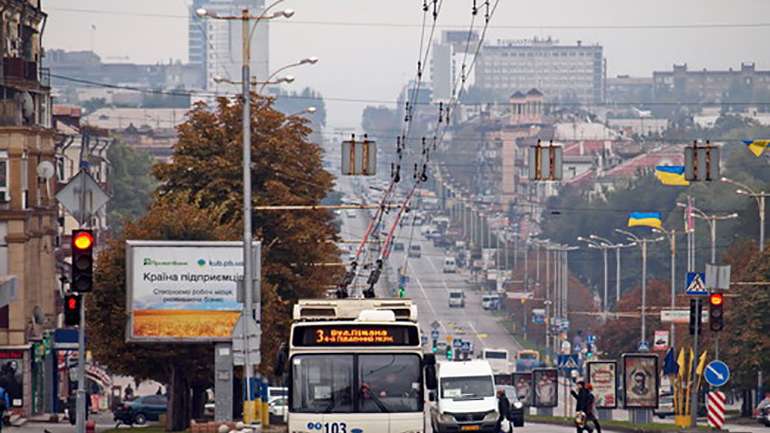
83	240
72	303
716	299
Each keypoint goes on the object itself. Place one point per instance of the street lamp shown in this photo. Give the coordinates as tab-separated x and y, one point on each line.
248	305
603	247
712	222
759	197
306	61
671	236
642	242
254	82
617	247
308	110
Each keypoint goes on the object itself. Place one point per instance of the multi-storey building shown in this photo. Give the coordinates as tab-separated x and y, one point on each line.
564	73
28	226
734	85
443	65
215	47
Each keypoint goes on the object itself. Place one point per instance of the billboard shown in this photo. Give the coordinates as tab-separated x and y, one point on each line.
640	381
545	382
523	384
12	375
603	376
184	291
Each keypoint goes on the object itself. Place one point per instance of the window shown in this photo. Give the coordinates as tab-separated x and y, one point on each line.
389	383
467	388
4	184
339	383
325	383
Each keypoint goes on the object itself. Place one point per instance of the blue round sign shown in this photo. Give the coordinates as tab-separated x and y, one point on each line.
717	373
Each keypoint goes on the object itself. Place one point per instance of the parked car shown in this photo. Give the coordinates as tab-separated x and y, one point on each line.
141	410
665	406
278	410
517	407
398	246
276	392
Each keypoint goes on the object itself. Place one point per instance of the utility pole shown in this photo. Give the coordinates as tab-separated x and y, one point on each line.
84	222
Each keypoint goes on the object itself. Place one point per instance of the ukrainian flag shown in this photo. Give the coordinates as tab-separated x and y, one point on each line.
672	175
645	219
756	146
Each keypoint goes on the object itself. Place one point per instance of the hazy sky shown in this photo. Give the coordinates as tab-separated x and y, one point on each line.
363	60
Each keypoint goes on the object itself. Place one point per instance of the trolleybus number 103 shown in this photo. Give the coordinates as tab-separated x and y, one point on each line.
330	427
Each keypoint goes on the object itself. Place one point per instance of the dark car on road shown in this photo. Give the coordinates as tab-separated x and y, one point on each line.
141	410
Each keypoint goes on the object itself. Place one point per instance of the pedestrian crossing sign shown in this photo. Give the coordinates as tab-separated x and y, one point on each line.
696	285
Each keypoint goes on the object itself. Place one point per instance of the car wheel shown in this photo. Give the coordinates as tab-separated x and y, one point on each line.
140	419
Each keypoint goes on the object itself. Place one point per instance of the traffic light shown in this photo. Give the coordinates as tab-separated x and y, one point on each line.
449	353
72	305
696	314
401	292
716	318
82	261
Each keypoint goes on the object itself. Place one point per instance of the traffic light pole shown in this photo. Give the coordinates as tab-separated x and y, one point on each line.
80	420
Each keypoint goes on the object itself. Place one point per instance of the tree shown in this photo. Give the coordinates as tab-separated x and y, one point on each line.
746	318
131	184
287	170
187	369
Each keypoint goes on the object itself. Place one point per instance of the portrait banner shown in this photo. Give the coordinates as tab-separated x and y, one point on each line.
523	384
546	385
640	381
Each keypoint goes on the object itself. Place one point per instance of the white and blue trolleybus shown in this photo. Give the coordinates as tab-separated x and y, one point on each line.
357	366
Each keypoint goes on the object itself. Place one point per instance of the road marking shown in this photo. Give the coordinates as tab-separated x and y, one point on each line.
478	336
430	305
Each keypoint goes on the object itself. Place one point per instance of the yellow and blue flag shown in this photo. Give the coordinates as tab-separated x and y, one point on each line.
645	219
756	146
672	175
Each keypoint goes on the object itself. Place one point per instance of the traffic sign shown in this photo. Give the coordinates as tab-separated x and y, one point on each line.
70	195
423	339
466	346
434	334
567	362
591	339
248	324
435	324
696	284
680	316
716	409
717	373
457	343
644	346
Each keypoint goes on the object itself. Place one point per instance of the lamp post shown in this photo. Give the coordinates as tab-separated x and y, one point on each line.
671	236
246	18
642	242
603	247
617	247
759	197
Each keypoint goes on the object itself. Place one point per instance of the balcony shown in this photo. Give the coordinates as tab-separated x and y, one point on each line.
18	72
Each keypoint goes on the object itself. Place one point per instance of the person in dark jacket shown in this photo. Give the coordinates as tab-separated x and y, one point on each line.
583	397
591	409
503	410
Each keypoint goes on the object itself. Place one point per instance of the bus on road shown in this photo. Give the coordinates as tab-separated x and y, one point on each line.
357	365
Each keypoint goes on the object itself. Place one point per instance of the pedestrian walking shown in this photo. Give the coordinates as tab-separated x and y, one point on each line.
503	410
591	414
583	397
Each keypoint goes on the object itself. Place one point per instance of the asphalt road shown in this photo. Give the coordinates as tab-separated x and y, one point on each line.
429	287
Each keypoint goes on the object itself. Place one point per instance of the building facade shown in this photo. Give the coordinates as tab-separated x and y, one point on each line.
733	85
443	65
28	225
215	46
565	73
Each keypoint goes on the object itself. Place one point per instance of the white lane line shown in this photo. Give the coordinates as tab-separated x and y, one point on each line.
478	336
430	304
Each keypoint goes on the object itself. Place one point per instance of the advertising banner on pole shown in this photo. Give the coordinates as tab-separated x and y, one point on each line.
184	291
545	382
603	376
640	381
523	384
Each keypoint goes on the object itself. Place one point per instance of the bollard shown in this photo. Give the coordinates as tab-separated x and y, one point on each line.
255	397
265	405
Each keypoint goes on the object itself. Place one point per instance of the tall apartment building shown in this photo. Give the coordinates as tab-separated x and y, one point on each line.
564	73
443	65
215	46
28	226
